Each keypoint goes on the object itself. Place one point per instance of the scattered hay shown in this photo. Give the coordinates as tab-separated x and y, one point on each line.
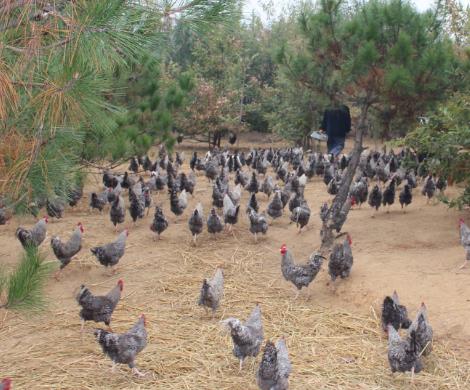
329	349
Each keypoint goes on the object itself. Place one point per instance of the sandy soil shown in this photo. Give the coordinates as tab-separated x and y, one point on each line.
417	253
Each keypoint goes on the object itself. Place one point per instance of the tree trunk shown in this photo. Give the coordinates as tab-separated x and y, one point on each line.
328	238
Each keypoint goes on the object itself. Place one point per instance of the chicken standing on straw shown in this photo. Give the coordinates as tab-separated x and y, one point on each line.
64	251
98	308
212	291
258	223
124	348
196	222
159	223
230	212
403	354
214	223
247	337
423	329
394	314
275	367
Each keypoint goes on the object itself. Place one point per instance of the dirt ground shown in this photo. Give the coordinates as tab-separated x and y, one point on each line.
417	253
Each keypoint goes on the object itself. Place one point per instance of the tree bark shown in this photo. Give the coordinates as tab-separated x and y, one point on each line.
328	237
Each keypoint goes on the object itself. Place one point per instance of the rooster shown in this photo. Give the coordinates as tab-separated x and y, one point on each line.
212	291
160	223
117	213
300	275
124	348
98	308
258	223
214	223
403	355
423	330
341	259
393	313
65	251
465	240
35	236
275	367
196	222
5	384
110	254
230	212
248	336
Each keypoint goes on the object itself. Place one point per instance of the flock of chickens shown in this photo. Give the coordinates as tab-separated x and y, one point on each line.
293	169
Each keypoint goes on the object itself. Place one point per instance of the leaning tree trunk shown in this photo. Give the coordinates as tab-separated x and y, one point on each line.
328	237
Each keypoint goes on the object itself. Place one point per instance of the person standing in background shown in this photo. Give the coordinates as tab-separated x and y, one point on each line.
336	124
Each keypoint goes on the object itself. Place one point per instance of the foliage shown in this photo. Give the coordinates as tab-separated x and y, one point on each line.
445	140
23	288
59	71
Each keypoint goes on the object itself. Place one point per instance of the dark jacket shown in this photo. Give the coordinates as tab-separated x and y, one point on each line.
336	121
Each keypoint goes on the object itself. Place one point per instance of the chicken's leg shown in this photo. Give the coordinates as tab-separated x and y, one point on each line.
57	274
256	238
241	364
83	325
135	371
464	265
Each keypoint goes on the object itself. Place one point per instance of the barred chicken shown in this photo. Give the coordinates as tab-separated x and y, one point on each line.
247	337
117	212
394	314
324	212
98	201
214	223
212	291
35	236
230	212
98	308
253	186
64	251
301	215
258	223
429	188
300	275
124	348
275	367
423	330
360	191
196	222
375	197
465	240
178	203
110	254
388	196
160	223
55	207
252	204
341	259
275	207
403	354
267	187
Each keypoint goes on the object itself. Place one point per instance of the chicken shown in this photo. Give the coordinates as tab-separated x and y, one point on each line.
113	193
147	196
388	196
359	191
188	183
252	204
275	367
98	308
341	259
127	181
74	195
98	201
403	355
35	236
429	188
295	201
375	197
211	170
55	207
212	291
193	161
117	213
267	186
253	185
441	184
217	197
134	165
300	275
5	215
465	240
65	251
124	348
214	223
423	331
258	223
324	212
110	254
247	337
406	196
275	207
178	203
5	384
235	194
160	223
241	178
230	212
394	314
301	215
333	187
196	222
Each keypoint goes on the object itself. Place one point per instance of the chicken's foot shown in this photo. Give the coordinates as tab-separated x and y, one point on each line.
135	371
